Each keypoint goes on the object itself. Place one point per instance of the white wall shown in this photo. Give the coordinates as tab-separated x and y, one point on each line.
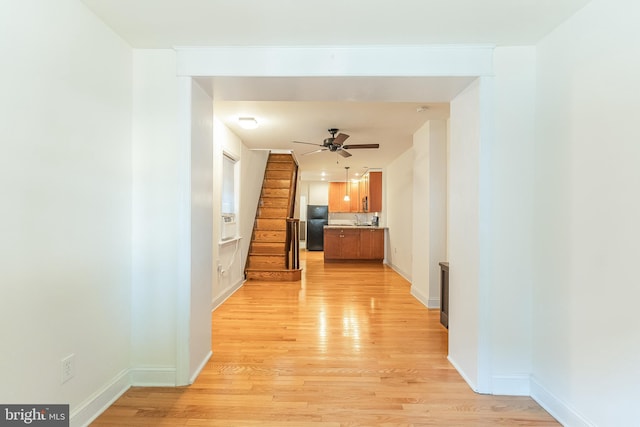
464	234
318	193
398	212
226	255
66	204
437	206
231	256
253	165
511	196
586	340
202	238
420	248
429	210
155	217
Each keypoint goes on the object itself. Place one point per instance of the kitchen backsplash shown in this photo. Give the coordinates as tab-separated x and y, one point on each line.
350	218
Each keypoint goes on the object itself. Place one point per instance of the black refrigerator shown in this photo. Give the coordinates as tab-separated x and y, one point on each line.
317	218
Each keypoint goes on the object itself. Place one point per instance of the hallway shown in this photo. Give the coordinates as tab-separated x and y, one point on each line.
348	345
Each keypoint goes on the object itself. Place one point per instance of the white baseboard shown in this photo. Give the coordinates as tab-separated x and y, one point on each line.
560	410
153	377
464	376
511	385
200	367
226	294
420	296
97	403
430	303
400	272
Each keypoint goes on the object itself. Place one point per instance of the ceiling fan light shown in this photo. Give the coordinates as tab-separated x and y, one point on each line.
247	122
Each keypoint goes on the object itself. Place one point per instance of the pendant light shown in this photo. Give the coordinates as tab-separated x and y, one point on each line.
346	184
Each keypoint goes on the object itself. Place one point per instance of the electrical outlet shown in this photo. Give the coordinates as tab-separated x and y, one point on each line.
68	368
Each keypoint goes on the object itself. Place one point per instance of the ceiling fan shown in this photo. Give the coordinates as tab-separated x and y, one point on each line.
335	144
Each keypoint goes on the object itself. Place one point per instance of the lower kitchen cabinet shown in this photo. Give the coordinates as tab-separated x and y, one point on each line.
340	243
372	244
353	244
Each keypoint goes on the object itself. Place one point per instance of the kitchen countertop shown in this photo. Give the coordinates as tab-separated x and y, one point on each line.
351	226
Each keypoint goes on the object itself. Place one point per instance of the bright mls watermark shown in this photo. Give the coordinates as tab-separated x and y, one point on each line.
34	415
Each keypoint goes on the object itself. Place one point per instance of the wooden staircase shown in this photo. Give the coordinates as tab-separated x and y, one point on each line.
273	253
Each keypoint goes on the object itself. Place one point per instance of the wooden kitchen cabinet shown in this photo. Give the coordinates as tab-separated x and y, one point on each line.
332	243
337	190
336	197
365	195
350	244
375	192
354	197
353	244
372	244
341	243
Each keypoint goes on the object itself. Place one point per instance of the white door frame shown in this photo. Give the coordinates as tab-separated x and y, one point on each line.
353	62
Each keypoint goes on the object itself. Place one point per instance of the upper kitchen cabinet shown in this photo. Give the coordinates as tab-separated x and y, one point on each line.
337	191
364	196
375	192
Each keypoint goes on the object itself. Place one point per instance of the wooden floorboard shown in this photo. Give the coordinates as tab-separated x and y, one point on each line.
346	346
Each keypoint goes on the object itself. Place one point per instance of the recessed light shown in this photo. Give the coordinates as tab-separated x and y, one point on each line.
247	122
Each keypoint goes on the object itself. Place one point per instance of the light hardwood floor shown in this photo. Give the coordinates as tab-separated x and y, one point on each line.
346	346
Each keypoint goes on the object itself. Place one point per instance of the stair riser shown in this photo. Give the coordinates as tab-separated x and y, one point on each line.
276	183
269	236
278	174
279	166
263	249
272	213
275	276
275	192
275	157
274	202
271	224
267	263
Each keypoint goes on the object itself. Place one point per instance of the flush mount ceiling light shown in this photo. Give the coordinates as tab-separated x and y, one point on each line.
247	122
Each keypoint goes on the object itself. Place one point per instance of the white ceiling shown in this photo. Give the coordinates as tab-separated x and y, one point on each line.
389	124
371	110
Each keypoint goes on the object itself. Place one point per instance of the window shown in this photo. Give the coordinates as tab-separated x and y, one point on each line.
228	184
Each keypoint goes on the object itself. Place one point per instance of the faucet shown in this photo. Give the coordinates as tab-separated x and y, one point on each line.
357	222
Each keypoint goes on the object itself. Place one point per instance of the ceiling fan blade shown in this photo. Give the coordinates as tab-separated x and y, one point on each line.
338	140
308	143
344	153
351	147
315	151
